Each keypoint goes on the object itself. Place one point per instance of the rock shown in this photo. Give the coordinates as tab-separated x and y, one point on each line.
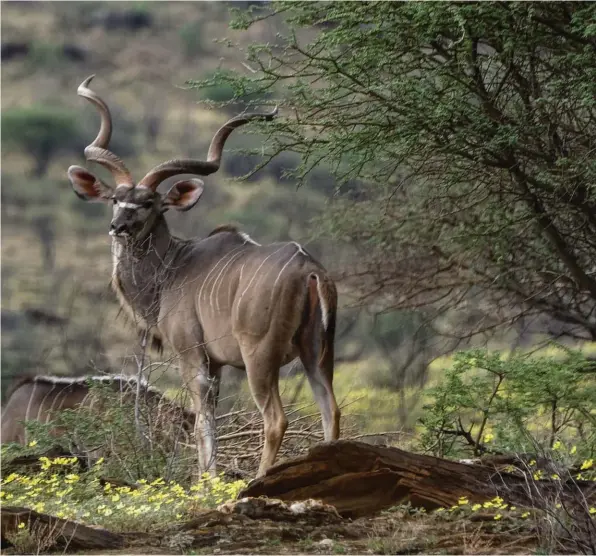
312	511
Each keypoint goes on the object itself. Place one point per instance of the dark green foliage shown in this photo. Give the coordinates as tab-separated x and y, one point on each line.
191	36
46	56
520	404
473	125
42	132
221	88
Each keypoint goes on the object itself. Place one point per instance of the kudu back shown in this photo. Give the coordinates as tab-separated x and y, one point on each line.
41	398
222	300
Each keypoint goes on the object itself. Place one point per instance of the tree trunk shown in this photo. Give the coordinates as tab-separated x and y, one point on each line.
55	532
361	479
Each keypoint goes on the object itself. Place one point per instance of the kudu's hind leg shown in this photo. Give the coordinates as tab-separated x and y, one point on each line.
203	384
319	371
262	371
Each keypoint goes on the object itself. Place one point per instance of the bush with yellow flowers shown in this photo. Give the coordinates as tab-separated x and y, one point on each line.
58	489
521	403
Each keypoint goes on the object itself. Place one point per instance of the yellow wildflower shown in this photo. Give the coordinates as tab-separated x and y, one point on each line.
32	443
462	501
21	525
497	517
573	450
115	498
587	464
107	512
592	511
476	507
557	445
489	437
12	477
525	514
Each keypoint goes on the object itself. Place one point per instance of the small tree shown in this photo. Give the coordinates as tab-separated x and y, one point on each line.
519	404
474	125
42	132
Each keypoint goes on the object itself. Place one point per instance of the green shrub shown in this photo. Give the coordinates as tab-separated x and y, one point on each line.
524	403
158	451
46	56
191	36
41	131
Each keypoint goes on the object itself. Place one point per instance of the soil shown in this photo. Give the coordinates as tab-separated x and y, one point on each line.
393	532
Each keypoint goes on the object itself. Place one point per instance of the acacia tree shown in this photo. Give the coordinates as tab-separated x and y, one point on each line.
473	126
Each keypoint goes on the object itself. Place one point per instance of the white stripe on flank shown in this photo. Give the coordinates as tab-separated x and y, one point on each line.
28	410
230	254
300	249
257	271
323	302
219	276
281	271
41	405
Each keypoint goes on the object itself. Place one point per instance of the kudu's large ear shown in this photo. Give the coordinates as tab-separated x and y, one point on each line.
87	186
183	195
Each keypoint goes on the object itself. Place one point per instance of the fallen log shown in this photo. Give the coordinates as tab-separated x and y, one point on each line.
55	532
361	479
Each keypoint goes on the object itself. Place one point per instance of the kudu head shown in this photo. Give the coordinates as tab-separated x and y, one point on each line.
137	207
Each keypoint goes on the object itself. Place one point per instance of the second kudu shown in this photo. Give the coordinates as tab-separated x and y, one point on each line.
222	300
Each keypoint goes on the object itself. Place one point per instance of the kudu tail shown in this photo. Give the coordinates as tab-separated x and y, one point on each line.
316	347
316	335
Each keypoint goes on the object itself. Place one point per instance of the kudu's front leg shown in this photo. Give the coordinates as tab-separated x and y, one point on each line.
203	384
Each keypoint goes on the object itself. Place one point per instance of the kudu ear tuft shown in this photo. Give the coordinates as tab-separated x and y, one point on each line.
87	186
183	195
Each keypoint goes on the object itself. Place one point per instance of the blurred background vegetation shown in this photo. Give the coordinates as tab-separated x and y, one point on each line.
58	313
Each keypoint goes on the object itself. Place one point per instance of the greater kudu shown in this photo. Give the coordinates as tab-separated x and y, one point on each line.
41	398
222	300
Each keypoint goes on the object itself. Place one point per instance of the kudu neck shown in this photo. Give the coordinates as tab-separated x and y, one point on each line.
155	242
142	268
